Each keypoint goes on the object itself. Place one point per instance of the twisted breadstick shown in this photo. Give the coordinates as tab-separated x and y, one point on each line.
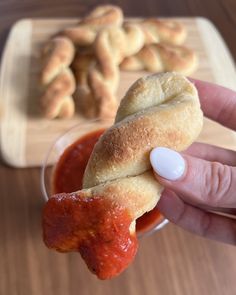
99	221
162	57
83	60
96	94
104	15
83	35
89	103
57	79
84	97
85	32
143	121
168	31
111	46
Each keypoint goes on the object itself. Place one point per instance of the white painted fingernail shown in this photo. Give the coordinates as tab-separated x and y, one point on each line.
167	163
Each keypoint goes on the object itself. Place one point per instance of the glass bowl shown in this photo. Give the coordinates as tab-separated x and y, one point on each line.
58	148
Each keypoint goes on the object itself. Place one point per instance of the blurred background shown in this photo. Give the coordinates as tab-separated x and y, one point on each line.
170	261
221	13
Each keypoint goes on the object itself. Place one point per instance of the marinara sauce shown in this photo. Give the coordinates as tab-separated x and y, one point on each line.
69	171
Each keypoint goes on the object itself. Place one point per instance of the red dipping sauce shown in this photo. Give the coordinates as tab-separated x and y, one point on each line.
69	171
96	227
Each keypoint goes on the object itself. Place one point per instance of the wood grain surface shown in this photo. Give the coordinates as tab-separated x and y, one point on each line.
169	262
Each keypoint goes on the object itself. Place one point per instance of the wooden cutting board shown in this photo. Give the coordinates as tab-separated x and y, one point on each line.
26	136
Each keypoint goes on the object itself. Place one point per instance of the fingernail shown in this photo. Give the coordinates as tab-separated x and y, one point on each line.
167	163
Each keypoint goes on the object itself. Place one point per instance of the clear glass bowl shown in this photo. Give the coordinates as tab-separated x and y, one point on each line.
57	149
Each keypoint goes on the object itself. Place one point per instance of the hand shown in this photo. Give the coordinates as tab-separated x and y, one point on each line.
204	175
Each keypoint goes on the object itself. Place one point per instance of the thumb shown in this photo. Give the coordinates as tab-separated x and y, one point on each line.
195	180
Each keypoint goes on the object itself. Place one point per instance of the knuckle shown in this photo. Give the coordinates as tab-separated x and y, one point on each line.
218	181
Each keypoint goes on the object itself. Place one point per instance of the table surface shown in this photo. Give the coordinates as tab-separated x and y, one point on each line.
171	261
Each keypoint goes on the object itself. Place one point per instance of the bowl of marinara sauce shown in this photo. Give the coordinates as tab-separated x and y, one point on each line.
65	163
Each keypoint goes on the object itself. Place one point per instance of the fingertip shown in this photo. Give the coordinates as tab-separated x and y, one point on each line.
167	163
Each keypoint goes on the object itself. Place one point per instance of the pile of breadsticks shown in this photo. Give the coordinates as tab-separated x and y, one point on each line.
81	64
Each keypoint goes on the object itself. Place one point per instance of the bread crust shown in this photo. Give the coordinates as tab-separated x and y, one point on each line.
138	194
167	31
162	57
115	43
57	54
57	79
158	110
85	32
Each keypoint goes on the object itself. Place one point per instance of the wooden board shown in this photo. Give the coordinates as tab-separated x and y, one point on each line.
26	136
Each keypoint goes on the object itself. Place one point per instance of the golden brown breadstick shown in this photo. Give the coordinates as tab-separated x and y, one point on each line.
83	97
119	187
161	58
160	30
57	79
111	46
104	15
84	33
143	121
96	94
104	103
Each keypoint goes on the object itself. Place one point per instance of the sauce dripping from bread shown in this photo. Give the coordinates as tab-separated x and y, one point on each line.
95	227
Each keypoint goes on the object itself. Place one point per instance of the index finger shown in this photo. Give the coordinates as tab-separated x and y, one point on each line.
218	103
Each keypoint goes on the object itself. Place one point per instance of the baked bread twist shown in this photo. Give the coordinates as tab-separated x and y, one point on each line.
96	92
160	30
104	15
57	79
162	58
84	33
90	102
111	46
159	110
83	61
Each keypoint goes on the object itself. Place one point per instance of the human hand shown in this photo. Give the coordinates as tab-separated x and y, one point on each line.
202	176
